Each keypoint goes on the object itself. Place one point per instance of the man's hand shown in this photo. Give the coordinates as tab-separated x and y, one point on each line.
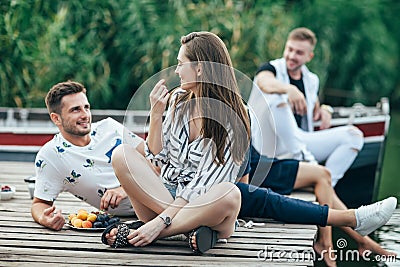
52	219
112	198
297	100
324	116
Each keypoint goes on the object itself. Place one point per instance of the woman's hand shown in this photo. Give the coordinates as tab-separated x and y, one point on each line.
159	98
147	233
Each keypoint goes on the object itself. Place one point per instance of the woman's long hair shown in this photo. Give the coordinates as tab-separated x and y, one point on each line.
221	107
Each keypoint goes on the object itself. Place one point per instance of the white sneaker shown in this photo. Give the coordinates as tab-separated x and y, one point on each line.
371	217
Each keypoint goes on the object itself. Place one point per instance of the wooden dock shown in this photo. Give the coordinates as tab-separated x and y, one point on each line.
26	243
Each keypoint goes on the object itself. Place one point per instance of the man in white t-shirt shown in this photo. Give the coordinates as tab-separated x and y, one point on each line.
78	159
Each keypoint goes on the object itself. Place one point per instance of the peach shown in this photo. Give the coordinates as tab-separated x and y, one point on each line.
86	224
72	215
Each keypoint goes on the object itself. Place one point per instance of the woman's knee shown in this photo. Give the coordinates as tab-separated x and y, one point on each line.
314	174
120	156
325	175
232	195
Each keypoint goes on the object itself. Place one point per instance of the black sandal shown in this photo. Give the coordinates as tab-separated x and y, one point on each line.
206	238
122	233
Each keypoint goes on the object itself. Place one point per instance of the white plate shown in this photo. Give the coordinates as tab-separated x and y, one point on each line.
85	229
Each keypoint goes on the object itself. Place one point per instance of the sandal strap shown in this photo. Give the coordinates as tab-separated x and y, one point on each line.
202	229
121	239
122	233
107	231
191	234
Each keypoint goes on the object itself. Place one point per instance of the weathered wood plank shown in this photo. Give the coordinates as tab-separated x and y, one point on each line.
111	258
25	243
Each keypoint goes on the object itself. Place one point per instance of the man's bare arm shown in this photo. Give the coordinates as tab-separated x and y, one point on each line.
44	213
268	83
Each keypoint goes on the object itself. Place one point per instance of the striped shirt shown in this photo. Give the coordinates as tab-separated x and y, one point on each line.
190	165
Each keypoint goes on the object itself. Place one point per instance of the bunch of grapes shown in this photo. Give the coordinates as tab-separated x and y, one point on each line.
104	220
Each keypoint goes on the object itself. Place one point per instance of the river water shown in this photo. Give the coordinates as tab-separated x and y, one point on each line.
387	236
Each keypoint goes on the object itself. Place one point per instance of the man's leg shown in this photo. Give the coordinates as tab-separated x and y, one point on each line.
264	203
338	147
287	130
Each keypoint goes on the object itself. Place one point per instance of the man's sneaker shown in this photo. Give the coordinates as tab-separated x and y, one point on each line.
371	217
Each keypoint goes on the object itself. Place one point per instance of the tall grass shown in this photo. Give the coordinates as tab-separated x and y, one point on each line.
114	46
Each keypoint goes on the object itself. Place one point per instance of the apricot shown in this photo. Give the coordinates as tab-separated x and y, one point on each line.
91	217
77	223
73	219
86	224
82	215
72	215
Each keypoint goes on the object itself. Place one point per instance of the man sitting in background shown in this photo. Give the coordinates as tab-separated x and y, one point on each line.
285	101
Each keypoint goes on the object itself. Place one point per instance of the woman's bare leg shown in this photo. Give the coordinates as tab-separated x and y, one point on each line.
144	188
364	242
308	175
217	209
342	218
319	178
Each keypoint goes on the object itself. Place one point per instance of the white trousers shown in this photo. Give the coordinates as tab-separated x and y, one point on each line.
337	147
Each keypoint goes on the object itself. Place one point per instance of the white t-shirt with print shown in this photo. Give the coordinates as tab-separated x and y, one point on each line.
86	171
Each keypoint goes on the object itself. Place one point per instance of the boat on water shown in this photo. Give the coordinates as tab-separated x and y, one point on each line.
24	131
360	184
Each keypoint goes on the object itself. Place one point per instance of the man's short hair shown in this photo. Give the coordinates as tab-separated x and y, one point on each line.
58	91
303	34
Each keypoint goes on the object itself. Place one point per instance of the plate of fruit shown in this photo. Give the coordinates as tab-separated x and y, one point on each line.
90	221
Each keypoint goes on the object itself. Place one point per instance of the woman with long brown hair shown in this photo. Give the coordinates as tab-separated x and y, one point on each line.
199	147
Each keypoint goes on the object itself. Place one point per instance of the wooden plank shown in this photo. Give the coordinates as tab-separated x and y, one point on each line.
25	243
111	258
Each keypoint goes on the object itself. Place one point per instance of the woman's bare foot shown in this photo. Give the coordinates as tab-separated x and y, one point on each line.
326	252
192	240
111	236
370	245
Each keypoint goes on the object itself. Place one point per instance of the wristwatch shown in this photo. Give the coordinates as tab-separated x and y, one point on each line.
167	220
327	108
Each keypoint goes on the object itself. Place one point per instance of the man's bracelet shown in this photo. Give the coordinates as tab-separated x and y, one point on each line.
327	108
